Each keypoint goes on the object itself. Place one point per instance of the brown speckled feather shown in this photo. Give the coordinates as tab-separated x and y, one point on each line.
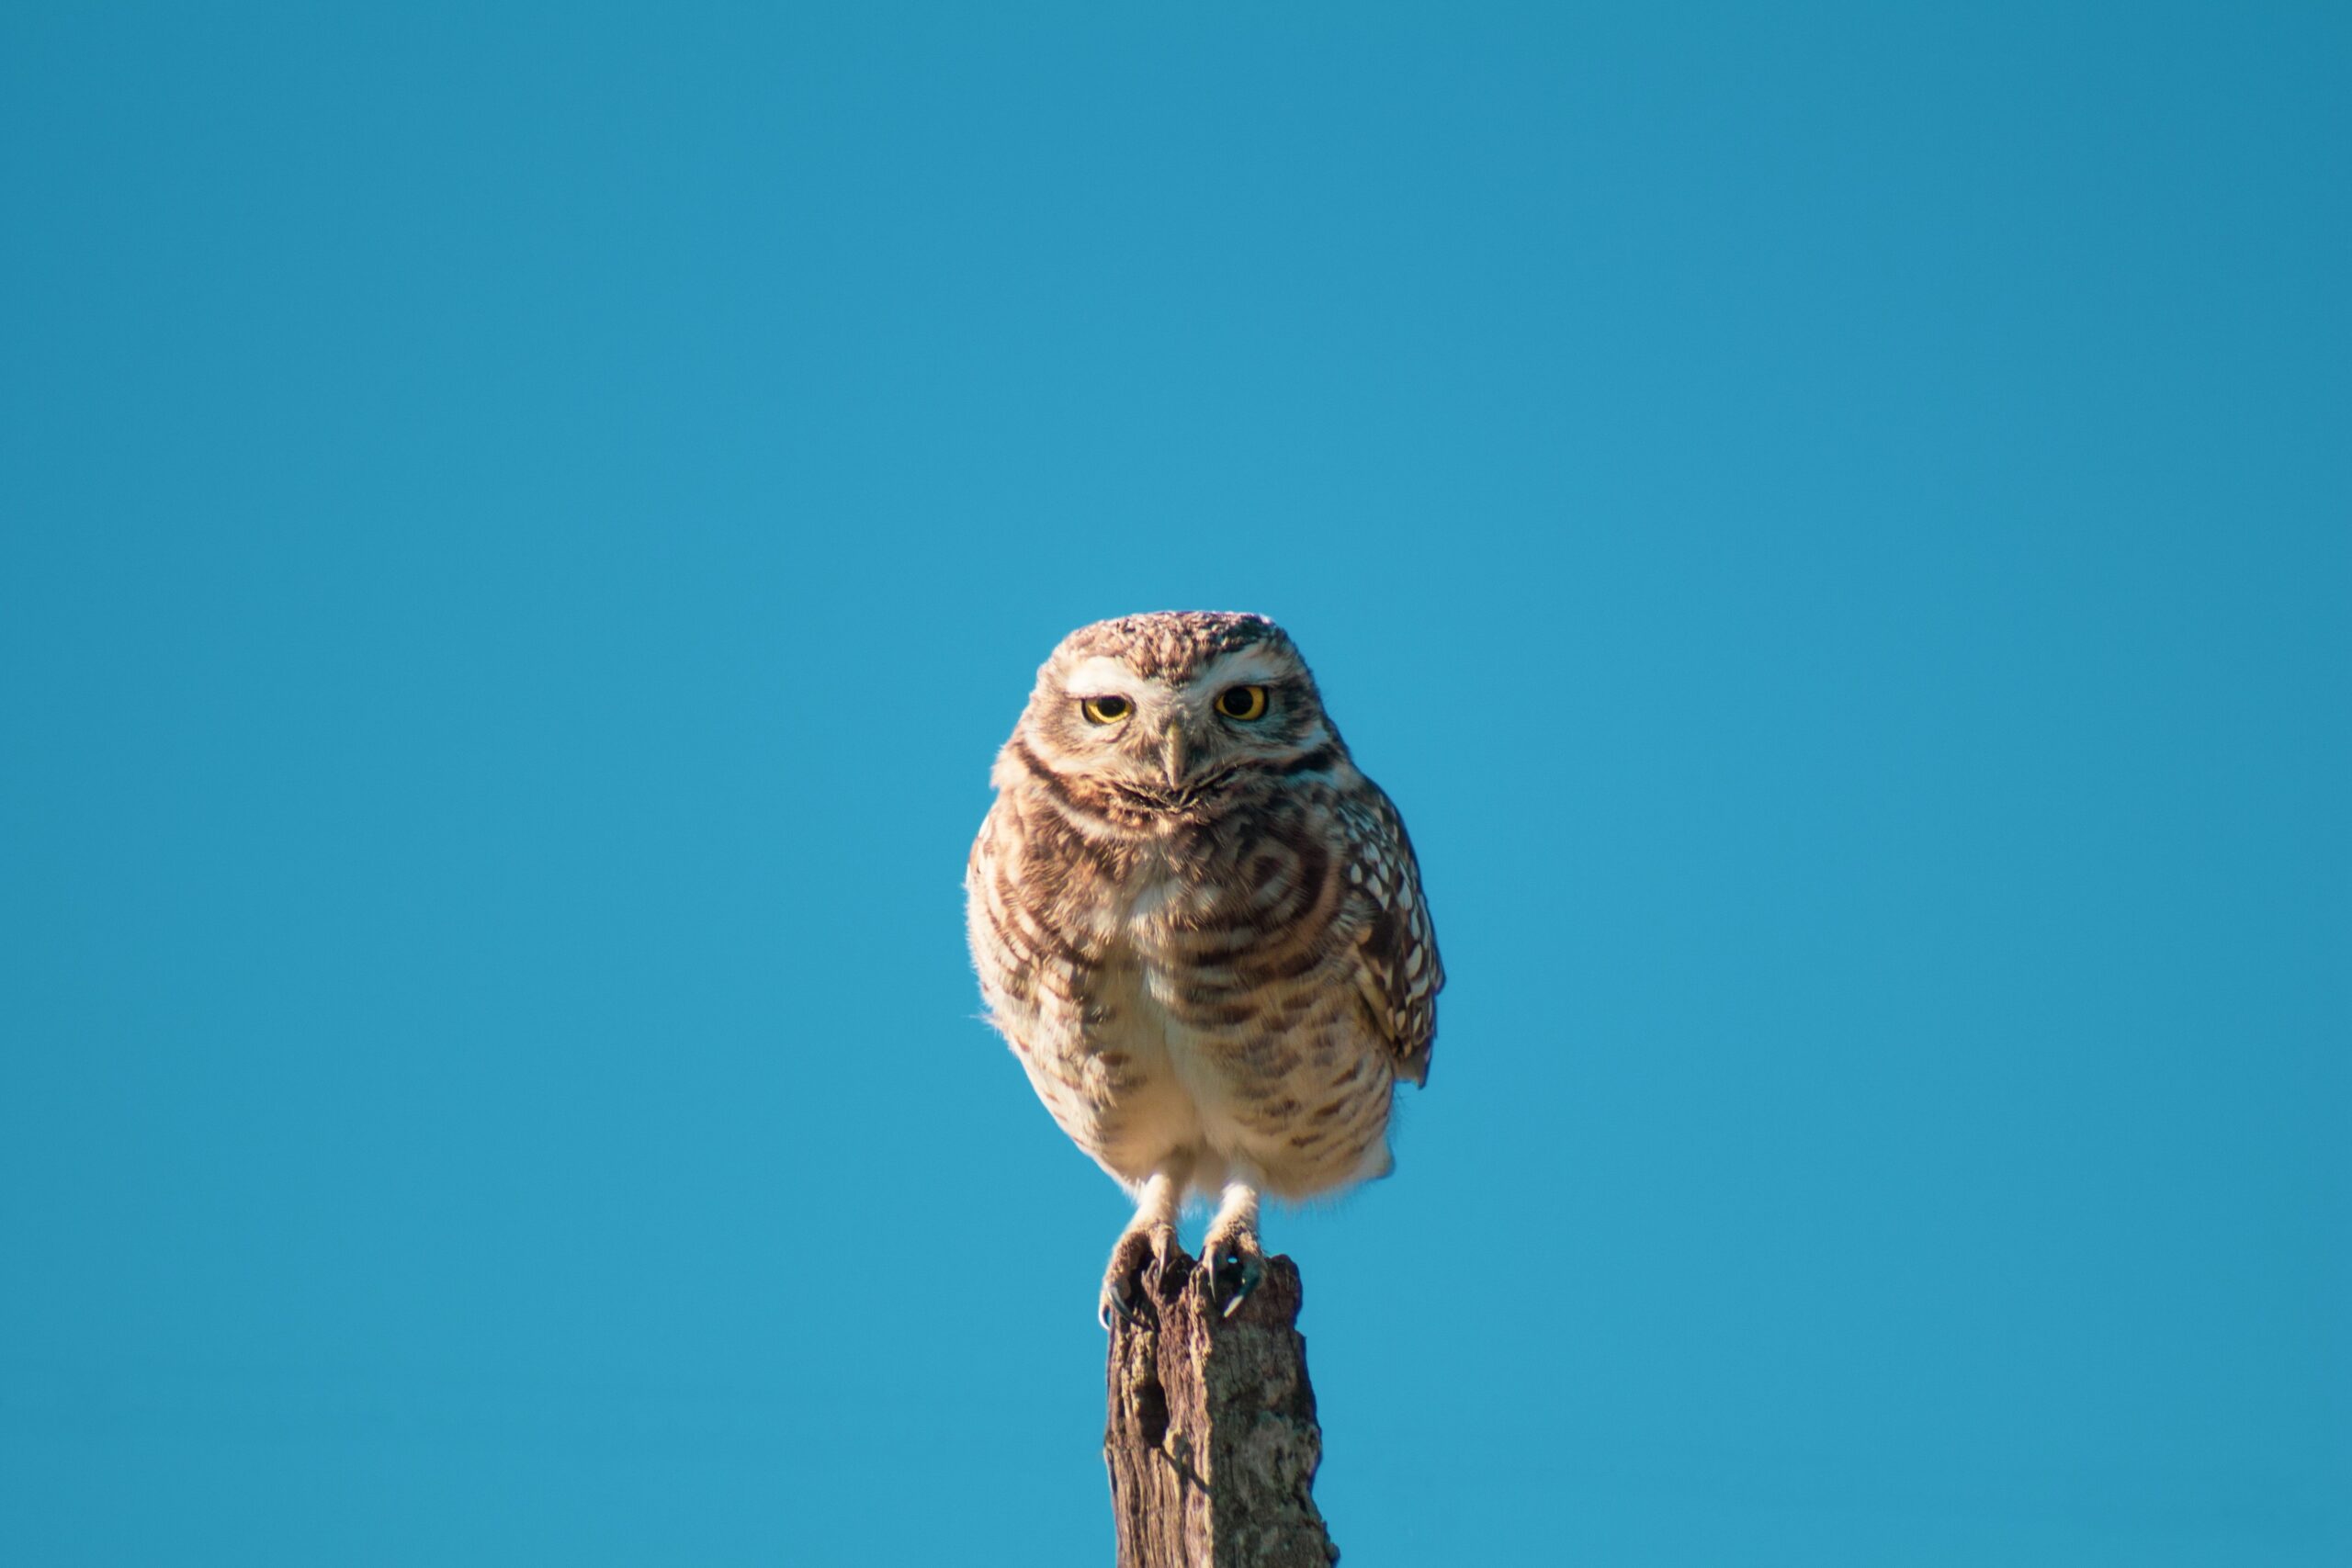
1402	974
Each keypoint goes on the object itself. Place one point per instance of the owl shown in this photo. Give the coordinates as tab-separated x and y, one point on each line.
1201	930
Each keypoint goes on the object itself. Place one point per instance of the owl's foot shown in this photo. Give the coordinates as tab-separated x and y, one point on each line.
1136	1261
1235	1263
1230	1253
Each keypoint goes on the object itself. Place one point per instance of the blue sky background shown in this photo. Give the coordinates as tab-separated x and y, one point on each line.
523	528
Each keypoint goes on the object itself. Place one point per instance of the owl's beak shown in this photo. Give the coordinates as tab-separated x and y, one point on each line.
1172	755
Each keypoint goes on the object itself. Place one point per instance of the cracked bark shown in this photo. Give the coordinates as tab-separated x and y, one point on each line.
1212	1442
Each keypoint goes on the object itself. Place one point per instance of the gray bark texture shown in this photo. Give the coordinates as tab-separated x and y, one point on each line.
1212	1442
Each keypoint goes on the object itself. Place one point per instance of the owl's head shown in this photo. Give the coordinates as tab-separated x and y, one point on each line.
1167	709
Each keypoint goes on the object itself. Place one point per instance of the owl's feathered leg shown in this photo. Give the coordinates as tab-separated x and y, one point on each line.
1149	1238
1230	1252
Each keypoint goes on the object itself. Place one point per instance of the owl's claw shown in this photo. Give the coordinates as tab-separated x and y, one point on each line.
1139	1258
1235	1263
1122	1302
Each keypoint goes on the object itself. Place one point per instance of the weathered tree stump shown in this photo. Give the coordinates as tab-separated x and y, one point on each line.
1212	1442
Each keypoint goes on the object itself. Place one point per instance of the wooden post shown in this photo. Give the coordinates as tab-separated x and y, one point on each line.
1212	1442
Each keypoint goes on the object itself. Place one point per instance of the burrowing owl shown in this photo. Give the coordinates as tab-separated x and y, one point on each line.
1201	928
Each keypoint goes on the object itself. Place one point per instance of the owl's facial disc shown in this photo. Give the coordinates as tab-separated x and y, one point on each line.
1169	736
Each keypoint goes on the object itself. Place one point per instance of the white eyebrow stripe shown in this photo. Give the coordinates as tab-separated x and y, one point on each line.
1101	676
1244	667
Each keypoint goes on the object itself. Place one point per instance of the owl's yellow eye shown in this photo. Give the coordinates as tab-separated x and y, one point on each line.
1242	702
1105	710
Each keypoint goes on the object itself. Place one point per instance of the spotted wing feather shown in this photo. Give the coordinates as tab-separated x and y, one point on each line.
1399	970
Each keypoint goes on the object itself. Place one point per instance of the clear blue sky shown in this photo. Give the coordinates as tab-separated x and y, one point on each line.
520	530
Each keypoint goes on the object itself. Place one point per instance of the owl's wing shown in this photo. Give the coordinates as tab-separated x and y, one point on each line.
1397	966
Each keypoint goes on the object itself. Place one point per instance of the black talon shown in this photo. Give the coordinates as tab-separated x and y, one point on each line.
1138	1260
1127	1302
1236	1274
